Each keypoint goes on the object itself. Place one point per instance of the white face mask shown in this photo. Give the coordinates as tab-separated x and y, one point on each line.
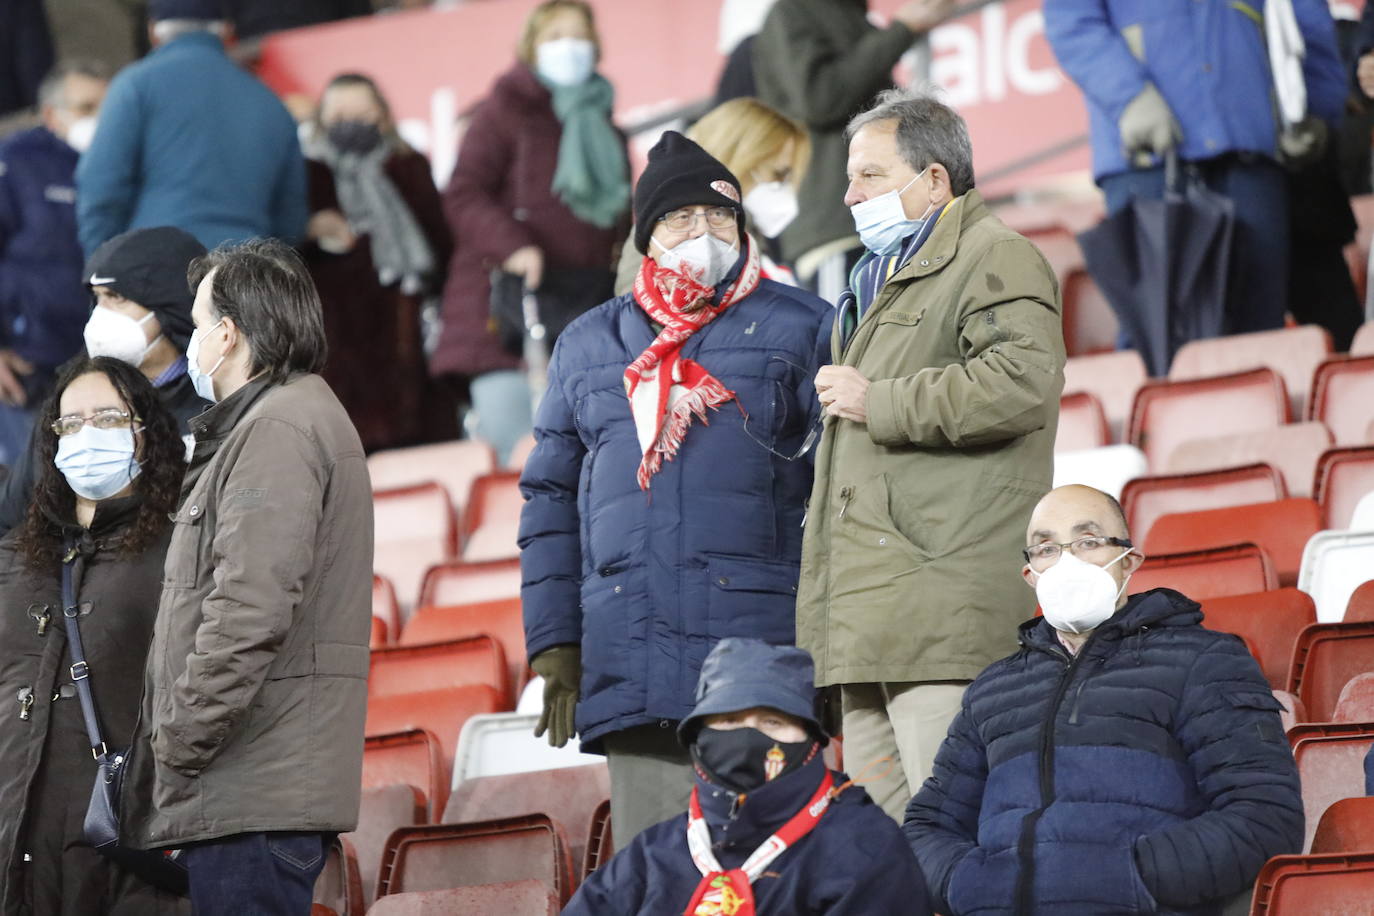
108	333
565	61
706	259
202	381
1075	595
97	463
771	205
80	133
881	221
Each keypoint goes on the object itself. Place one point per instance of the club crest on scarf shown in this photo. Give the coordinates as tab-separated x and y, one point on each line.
720	900
666	390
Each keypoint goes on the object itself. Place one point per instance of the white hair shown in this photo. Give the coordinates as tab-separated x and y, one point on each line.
165	30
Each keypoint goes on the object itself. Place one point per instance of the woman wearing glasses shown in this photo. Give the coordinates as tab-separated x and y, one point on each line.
110	472
664	496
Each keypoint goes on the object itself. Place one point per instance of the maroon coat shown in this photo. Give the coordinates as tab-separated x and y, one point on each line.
499	200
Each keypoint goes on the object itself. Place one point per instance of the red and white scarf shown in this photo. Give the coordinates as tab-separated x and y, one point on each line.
666	390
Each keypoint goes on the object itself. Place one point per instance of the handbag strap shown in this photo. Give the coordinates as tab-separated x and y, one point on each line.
72	566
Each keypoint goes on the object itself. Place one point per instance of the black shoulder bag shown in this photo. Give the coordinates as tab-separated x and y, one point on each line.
161	869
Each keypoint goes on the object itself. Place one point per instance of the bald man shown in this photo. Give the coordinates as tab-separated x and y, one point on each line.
1124	760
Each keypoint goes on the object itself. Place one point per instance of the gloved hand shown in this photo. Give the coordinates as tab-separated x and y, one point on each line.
561	668
1147	125
1303	143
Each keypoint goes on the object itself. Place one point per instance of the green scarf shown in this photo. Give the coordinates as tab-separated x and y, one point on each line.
593	176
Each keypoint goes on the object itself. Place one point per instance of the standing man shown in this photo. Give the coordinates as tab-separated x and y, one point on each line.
191	140
42	300
941	409
257	684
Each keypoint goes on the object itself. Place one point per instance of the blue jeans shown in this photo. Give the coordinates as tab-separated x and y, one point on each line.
266	874
501	400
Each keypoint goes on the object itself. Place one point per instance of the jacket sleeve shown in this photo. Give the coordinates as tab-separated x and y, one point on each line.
942	818
473	198
616	888
1228	727
1323	71
1094	55
1007	383
550	526
265	527
107	173
290	208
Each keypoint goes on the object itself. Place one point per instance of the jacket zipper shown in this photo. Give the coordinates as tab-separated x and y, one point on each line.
25	699
41	617
846	494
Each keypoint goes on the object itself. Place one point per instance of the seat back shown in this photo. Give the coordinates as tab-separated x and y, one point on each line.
461	582
492	518
413	757
1293	449
505	743
454	464
1270	620
1343	476
1201	574
385	608
1325	885
1334	564
1346	826
499	619
1363	344
1293	712
1281	527
1108	468
382	810
415	528
1082	423
1114	378
1343	397
1325	657
339	885
1147	498
452	663
600	840
1292	352
530	897
1167	413
1330	759
520	452
1356	702
1360	607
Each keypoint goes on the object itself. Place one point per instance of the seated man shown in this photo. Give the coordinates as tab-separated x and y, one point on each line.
769	828
1125	760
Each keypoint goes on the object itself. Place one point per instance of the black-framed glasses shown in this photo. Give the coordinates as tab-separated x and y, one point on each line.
684	219
812	435
1089	544
110	418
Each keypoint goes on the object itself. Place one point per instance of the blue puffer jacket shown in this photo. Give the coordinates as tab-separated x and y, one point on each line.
648	582
1148	774
43	301
1208	60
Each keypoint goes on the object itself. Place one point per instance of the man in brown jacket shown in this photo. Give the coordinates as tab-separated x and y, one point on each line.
941	408
256	688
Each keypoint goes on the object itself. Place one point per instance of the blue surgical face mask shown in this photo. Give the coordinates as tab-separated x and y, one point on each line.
97	463
882	222
202	381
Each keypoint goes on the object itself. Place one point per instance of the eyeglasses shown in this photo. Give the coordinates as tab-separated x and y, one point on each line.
109	418
1081	547
683	220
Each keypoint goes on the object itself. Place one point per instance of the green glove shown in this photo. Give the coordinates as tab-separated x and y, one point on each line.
1148	126
561	668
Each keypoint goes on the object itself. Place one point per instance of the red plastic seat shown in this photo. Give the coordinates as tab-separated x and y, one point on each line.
1356	702
1343	397
378	638
382	810
509	898
1147	498
1292	352
1293	712
452	663
1363	344
520	453
454	464
1271	621
1114	378
385	608
1200	574
339	886
439	856
440	712
1167	413
415	528
1343	476
1082	423
413	757
1281	527
1325	658
1327	885
1293	449
501	620
1347	826
491	520
1330	758
600	840
1361	605
469	583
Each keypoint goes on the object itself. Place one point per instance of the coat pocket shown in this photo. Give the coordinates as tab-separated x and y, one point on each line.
750	597
182	567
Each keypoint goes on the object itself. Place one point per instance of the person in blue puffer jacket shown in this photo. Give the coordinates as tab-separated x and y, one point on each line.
665	494
1124	761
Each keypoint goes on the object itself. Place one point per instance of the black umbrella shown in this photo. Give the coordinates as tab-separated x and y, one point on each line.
1163	265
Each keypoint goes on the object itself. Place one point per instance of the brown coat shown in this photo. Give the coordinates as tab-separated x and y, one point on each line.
256	688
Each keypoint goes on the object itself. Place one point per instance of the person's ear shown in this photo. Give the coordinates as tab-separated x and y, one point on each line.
1029	575
1132	562
938	176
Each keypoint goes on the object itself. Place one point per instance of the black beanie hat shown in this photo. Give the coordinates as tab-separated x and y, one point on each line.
148	266
212	10
681	174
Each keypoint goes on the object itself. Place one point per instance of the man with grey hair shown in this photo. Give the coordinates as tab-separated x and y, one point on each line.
940	413
191	140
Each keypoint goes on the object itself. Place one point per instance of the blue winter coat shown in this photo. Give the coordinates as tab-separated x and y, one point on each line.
853	863
43	302
647	582
187	138
1208	59
1148	774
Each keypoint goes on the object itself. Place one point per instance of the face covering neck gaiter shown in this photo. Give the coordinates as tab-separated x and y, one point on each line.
742	759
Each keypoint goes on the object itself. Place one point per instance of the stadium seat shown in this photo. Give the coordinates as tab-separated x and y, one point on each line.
1330	758
1363	517
438	856
1147	498
600	840
1114	378
339	886
1292	449
1343	397
1200	574
1271	621
436	666
1089	323
1281	527
1293	352
1356	702
378	639
491	520
460	582
1347	826
1168	413
454	464
384	606
1334	564
520	453
1293	712
1107	469
415	528
505	743
1343	476
499	619
1339	884
1360	607
319	909
440	712
1325	657
413	757
382	810
1363	344
1082	424
568	796
509	898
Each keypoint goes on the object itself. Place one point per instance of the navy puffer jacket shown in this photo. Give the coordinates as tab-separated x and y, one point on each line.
1149	774
647	582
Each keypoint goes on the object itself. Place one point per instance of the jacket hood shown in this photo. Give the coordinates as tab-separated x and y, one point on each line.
1159	607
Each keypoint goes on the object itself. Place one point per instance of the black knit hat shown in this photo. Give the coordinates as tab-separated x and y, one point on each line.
212	10
148	266
681	174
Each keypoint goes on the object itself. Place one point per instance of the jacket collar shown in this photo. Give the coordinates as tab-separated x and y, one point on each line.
212	425
520	83
1157	608
189	41
745	821
111	515
942	245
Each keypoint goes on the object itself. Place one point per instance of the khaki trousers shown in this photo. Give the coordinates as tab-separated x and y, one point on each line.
651	779
904	721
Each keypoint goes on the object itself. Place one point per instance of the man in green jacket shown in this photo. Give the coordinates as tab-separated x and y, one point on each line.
941	409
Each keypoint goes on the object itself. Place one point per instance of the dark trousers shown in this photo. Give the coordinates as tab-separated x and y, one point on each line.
266	874
1257	291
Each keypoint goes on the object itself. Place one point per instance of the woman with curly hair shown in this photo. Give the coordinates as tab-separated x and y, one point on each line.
109	475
